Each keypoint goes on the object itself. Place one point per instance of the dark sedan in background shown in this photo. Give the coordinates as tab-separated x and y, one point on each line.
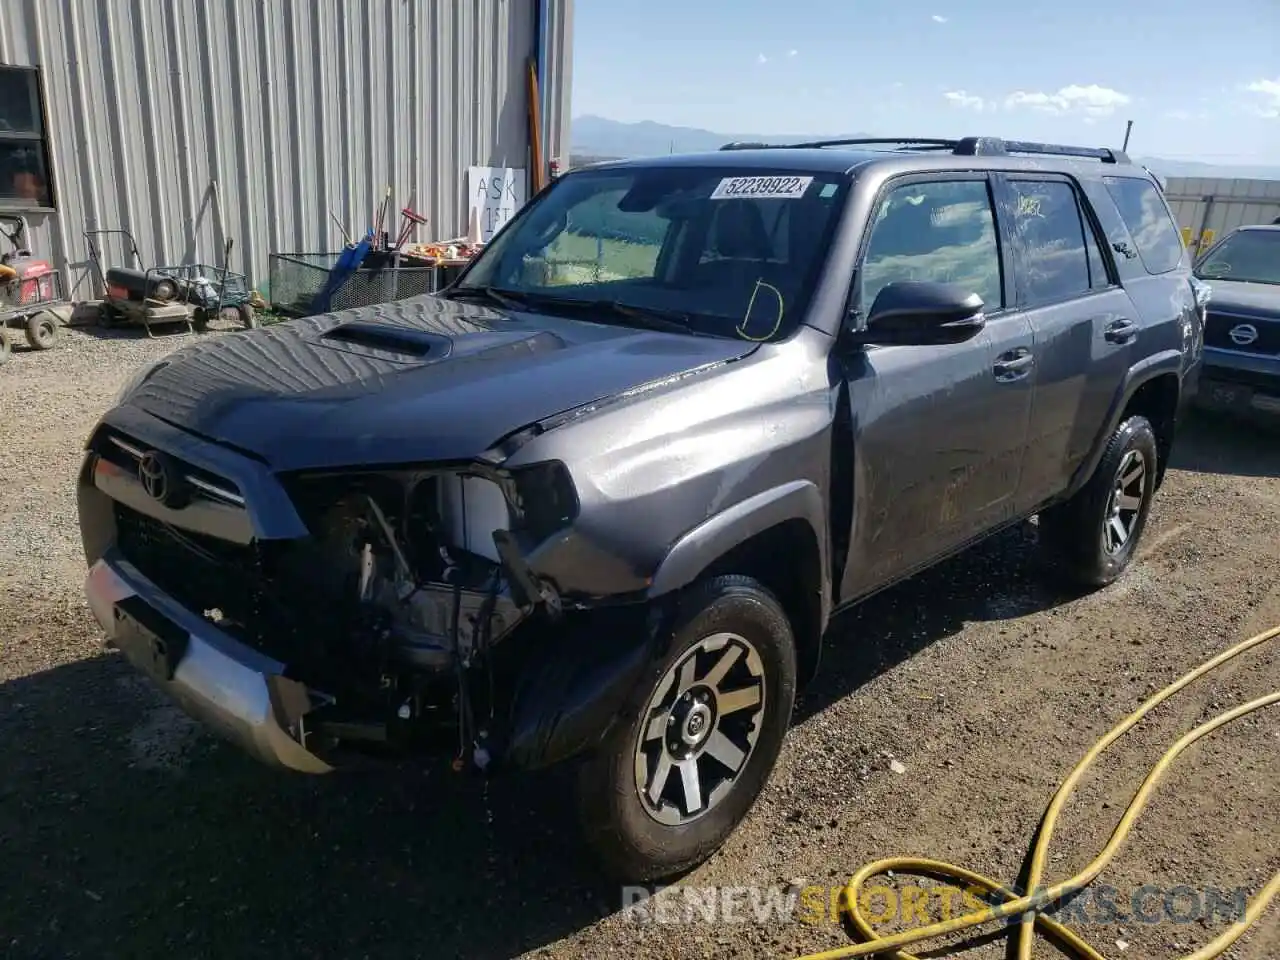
1241	372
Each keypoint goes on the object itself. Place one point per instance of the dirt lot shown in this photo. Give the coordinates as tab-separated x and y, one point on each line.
124	831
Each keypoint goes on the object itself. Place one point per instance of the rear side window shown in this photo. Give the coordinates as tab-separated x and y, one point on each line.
1145	214
1052	258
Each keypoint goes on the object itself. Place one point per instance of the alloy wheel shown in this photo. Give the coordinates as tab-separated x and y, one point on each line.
1124	506
699	729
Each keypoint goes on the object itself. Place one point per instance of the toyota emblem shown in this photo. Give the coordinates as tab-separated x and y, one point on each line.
153	473
1243	334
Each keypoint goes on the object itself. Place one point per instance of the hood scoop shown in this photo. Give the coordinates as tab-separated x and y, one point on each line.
385	341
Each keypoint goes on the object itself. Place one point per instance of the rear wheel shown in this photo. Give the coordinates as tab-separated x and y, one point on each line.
42	330
698	738
1096	532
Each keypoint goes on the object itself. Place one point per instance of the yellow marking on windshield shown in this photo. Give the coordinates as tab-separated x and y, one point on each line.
742	327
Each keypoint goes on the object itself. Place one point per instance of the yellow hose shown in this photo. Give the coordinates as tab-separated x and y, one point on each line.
1027	907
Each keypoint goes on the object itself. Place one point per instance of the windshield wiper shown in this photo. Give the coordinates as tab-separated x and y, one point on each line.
650	318
507	299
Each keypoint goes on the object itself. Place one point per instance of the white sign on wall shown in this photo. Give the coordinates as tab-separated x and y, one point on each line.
494	194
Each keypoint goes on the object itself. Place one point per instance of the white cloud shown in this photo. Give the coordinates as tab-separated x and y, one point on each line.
966	101
761	58
792	53
1266	100
1091	100
897	84
938	18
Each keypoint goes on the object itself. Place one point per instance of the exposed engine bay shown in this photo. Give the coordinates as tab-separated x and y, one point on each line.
429	573
407	567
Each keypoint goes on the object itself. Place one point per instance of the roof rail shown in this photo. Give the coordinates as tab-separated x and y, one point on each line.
964	147
994	146
928	142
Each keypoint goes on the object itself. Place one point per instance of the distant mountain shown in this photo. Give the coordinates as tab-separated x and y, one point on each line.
1194	168
598	138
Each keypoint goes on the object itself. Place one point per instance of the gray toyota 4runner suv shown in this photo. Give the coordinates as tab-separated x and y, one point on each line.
598	500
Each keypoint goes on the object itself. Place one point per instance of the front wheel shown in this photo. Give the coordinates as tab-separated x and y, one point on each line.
1096	532
698	738
42	330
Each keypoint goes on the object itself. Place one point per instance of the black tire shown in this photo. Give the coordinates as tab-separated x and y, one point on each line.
42	330
630	842
200	320
1081	531
108	316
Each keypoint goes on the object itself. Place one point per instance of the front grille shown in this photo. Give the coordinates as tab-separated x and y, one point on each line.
259	596
1218	333
125	452
200	572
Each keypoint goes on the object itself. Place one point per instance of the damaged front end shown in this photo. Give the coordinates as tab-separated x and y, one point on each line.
391	614
404	592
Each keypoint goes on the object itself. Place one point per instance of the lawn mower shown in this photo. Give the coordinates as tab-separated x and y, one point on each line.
191	294
30	291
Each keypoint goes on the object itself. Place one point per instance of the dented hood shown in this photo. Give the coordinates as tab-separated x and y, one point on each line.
413	381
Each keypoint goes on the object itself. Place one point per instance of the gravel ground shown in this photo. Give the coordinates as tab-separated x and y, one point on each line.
948	709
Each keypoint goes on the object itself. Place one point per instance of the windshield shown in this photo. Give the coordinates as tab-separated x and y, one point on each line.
1251	256
725	251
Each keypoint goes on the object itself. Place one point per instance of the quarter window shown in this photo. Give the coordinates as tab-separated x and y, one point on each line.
937	230
1052	257
1144	212
24	156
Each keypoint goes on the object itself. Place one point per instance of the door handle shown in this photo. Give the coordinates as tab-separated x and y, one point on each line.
1014	365
1121	331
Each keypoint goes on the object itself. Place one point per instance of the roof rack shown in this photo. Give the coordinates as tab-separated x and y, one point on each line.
964	147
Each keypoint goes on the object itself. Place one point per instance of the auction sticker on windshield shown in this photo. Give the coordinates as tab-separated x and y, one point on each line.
788	188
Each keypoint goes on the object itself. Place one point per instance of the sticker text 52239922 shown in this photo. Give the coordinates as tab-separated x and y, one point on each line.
787	188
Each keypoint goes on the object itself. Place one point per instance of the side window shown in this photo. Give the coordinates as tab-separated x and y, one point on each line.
1053	263
1144	212
940	230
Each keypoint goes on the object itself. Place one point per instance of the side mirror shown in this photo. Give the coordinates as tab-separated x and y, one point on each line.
921	313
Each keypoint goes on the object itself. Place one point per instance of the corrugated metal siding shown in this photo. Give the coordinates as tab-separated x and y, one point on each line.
294	107
557	99
1200	205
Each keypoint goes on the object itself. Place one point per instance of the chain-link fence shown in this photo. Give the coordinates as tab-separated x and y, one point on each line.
297	278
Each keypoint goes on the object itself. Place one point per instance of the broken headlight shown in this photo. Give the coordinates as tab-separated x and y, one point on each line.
416	551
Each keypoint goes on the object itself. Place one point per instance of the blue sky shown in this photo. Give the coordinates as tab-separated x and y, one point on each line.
1200	80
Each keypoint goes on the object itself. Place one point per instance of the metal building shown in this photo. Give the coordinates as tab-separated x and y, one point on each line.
1207	208
123	113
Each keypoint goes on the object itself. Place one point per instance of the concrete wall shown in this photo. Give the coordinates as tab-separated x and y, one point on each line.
294	107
